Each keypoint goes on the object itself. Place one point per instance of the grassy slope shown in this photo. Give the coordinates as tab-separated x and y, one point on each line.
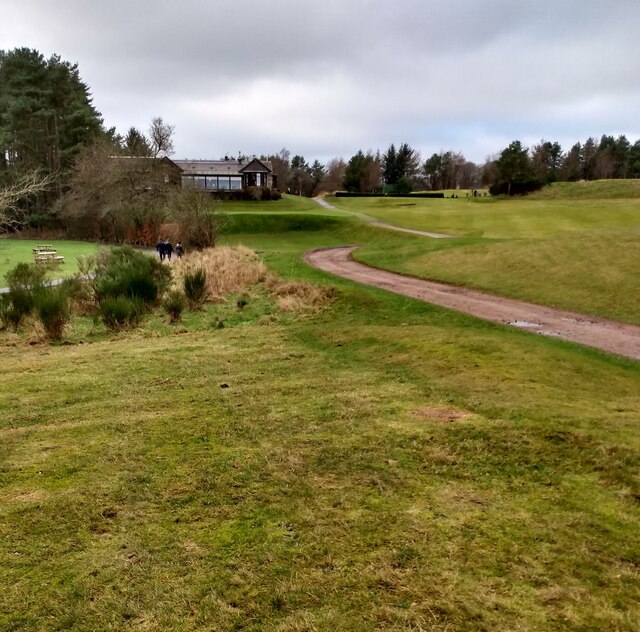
575	253
317	491
13	251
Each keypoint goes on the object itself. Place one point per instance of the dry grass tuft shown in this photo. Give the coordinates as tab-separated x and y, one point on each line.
230	270
441	413
297	296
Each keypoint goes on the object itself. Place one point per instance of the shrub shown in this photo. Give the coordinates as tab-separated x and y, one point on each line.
252	194
24	281
26	276
194	283
198	216
19	304
174	304
275	194
129	273
117	312
52	309
4	308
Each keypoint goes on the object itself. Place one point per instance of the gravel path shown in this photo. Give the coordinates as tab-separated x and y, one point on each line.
611	336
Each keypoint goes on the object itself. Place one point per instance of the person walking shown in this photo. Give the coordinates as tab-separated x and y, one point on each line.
179	250
168	249
160	249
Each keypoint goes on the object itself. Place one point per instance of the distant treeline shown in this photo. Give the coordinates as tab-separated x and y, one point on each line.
49	129
516	169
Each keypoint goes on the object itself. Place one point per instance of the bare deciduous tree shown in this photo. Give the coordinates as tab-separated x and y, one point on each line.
13	212
160	138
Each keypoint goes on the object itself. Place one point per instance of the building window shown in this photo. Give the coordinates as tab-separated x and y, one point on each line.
212	183
235	183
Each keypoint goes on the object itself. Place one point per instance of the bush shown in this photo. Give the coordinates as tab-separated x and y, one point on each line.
194	283
19	305
403	186
118	312
24	281
26	276
174	304
129	273
52	309
198	215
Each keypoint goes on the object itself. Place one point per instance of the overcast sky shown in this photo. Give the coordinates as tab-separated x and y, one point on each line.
326	78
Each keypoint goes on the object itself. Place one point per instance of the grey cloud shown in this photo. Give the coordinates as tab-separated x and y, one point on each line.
334	76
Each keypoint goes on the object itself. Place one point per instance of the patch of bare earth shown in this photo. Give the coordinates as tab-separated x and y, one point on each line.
445	414
614	337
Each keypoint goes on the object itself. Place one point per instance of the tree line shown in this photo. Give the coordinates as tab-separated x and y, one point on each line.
515	169
53	139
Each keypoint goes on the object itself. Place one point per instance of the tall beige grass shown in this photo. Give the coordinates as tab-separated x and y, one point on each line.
235	269
230	270
299	296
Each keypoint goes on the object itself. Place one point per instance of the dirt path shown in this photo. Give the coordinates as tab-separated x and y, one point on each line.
375	222
611	336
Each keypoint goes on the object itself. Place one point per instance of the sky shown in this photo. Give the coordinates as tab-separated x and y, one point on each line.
325	78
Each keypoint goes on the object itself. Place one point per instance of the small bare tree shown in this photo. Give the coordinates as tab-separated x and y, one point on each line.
197	216
13	211
160	138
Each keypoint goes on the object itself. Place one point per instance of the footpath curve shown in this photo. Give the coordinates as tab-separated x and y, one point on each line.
613	337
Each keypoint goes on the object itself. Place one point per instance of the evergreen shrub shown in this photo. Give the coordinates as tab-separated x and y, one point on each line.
118	312
174	304
52	309
194	284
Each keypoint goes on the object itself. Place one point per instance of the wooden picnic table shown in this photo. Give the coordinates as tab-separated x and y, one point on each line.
43	256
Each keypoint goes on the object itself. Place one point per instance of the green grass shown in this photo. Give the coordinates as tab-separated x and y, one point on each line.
291	476
383	464
14	251
554	248
499	218
595	189
287	204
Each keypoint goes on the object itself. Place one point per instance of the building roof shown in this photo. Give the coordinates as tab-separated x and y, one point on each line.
222	167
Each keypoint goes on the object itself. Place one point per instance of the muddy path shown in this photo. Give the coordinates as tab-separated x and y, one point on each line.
611	336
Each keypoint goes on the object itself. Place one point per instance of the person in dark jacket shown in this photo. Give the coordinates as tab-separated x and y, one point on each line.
160	249
168	249
179	250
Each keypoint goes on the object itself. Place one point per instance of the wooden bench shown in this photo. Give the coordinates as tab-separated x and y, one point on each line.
45	248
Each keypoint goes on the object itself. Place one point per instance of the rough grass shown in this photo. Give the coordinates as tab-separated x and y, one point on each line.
299	296
594	189
230	270
383	465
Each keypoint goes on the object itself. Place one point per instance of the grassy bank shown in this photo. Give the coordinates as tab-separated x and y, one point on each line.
568	246
376	464
384	464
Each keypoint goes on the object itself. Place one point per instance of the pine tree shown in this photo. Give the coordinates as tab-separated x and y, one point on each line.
46	115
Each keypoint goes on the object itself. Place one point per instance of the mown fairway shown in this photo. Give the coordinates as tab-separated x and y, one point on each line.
13	251
383	464
577	253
